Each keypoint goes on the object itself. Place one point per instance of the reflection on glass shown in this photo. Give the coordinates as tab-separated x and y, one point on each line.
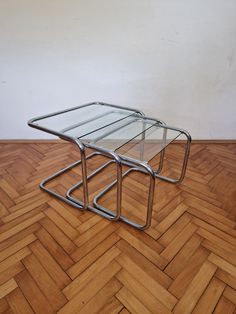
120	130
83	120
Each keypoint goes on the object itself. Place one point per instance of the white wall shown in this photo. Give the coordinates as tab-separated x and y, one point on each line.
173	59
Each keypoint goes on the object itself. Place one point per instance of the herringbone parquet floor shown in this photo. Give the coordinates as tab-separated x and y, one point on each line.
55	258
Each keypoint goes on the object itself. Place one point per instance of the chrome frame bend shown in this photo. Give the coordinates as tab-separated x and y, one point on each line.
43	183
184	164
119	160
84	182
147	169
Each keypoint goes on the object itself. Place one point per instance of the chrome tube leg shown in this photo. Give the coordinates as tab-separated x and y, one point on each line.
143	141
107	215
184	164
162	154
84	178
53	193
115	159
84	173
119	189
80	183
43	183
186	155
150	200
148	170
144	168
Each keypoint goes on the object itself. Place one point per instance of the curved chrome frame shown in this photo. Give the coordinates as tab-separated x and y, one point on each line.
136	166
119	160
57	174
85	204
150	199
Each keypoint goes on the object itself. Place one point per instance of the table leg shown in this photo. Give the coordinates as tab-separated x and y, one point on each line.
184	164
142	167
57	174
115	216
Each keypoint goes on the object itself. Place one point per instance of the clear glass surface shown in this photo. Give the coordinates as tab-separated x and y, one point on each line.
134	137
83	120
119	130
150	143
118	133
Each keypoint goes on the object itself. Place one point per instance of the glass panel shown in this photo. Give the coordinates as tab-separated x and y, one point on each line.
134	137
120	130
117	134
150	143
81	121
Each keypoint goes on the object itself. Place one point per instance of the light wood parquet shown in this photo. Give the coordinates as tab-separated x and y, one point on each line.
57	259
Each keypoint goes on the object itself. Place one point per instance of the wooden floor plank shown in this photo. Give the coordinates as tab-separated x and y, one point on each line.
18	303
51	266
102	297
180	284
54	248
210	297
80	299
171	218
46	284
7	287
226	277
148	252
196	288
224	306
66	214
230	294
144	264
175	229
61	238
112	306
154	287
93	231
32	293
4	306
82	280
19	236
13	259
183	256
91	257
7	234
223	264
71	232
173	248
10	272
131	302
17	246
57	258
90	245
142	294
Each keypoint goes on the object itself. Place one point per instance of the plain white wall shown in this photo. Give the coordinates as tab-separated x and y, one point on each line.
173	59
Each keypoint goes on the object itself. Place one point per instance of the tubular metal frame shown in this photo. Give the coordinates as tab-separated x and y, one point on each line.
119	160
137	166
141	167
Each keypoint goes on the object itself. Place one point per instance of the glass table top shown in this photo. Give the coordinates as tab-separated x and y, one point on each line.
83	120
123	131
134	137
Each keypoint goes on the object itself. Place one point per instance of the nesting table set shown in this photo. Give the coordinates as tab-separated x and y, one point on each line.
122	134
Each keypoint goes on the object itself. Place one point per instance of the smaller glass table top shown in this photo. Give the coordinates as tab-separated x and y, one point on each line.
134	137
123	131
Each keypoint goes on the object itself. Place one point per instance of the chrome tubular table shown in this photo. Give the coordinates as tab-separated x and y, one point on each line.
122	134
